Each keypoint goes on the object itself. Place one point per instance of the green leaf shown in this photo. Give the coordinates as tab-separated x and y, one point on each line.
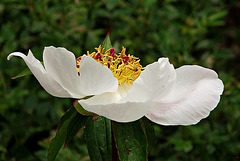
25	72
130	140
218	15
150	3
149	132
98	139
107	42
111	4
70	123
66	116
74	126
60	137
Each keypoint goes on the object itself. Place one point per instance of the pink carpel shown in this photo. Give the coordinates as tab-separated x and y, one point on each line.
112	51
125	59
98	56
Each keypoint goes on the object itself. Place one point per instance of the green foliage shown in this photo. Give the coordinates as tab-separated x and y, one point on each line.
149	132
131	142
70	123
74	126
25	72
59	139
98	139
206	33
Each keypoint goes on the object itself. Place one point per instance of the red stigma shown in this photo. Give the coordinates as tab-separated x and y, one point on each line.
112	51
98	56
125	59
79	58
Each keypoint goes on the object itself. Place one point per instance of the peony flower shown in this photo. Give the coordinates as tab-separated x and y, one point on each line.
122	90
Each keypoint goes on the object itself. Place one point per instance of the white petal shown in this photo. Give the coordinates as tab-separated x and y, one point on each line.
154	82
120	112
196	92
46	81
61	65
96	78
108	105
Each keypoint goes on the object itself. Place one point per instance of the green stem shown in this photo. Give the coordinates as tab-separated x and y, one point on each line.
114	148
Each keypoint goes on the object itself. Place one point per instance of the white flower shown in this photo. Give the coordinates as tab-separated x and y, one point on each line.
165	95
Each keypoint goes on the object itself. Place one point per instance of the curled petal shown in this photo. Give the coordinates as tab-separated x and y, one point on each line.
60	76
46	80
196	92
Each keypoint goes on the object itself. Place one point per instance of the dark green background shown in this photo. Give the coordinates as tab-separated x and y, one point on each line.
204	32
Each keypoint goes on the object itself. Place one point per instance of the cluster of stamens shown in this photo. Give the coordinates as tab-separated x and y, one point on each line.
126	68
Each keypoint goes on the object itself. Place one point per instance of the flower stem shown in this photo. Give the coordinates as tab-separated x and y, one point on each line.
114	148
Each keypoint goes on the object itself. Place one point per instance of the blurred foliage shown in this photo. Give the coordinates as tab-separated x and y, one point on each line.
204	32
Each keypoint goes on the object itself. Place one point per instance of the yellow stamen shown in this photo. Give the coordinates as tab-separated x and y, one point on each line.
126	68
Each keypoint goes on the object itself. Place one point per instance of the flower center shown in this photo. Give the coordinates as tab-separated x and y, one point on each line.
126	68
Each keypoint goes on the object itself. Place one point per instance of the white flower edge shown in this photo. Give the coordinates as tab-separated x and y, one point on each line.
196	93
60	78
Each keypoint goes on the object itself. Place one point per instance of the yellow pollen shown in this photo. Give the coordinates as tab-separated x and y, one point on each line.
126	68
